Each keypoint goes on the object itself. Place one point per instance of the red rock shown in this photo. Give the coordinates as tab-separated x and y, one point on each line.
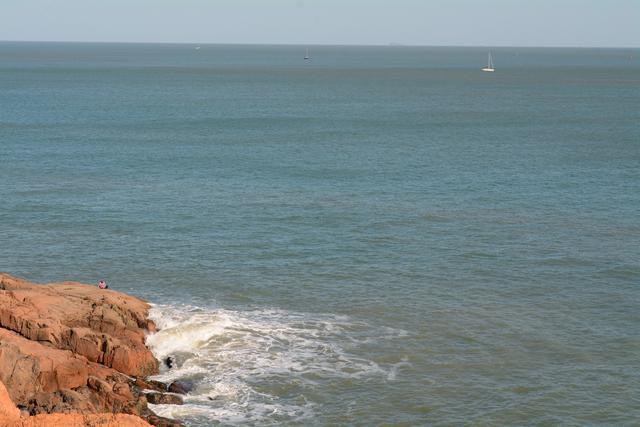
10	417
69	352
103	325
37	368
9	413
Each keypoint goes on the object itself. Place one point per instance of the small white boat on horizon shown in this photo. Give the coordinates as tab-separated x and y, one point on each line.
306	55
489	68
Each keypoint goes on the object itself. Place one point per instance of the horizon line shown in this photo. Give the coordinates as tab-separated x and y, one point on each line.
390	44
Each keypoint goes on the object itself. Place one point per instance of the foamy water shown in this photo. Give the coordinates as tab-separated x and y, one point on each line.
257	366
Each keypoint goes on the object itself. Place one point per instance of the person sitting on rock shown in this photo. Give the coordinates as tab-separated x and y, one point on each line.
103	285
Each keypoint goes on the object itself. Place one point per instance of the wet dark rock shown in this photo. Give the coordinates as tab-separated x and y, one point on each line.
159	421
181	387
164	399
154	385
169	362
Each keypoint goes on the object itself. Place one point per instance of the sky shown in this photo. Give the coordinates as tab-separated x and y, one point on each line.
580	23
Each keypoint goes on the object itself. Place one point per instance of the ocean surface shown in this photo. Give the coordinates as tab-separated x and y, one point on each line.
376	236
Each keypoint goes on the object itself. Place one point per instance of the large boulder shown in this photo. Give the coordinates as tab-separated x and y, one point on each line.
105	326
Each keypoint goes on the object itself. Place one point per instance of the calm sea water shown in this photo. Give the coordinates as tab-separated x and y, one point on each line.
376	236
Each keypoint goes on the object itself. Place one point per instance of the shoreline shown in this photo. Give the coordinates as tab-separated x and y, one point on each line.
73	354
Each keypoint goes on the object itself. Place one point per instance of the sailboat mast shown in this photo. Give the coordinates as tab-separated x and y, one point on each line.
489	67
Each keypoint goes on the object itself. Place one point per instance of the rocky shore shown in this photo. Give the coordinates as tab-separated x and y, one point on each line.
75	355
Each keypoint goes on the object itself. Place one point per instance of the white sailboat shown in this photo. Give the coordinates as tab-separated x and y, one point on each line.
489	68
306	55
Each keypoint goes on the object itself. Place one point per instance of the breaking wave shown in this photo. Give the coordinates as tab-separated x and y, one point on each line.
260	366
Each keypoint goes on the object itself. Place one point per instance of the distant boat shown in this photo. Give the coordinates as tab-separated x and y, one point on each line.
197	47
306	55
489	68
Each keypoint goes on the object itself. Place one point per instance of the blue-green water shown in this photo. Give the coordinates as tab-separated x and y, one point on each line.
375	236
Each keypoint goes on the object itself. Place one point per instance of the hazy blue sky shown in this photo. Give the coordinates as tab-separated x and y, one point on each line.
424	22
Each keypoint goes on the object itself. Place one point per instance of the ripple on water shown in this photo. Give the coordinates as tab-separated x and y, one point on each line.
621	272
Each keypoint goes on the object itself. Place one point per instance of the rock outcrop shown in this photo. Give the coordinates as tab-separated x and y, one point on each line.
10	417
74	349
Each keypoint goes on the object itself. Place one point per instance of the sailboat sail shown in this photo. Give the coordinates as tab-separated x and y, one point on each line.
489	66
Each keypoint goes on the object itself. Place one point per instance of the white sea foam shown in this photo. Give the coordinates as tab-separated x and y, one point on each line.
255	366
393	372
238	414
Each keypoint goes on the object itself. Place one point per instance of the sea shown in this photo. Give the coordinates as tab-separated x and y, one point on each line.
374	236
